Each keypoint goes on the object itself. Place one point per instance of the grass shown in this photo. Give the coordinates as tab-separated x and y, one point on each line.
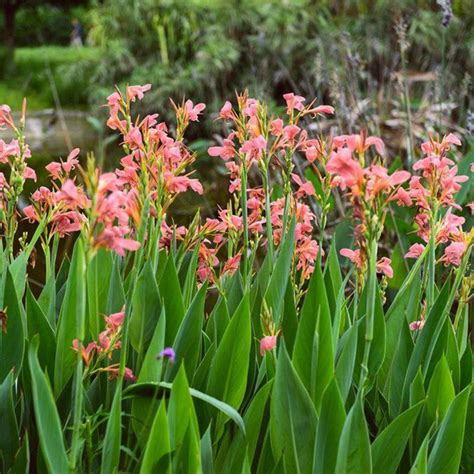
31	80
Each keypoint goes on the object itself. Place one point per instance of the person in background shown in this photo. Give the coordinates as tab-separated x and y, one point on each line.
76	34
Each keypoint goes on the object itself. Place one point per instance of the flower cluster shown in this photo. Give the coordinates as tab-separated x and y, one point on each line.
431	192
102	349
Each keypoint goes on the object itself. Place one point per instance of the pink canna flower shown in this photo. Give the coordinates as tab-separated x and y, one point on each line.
353	255
115	320
134	138
5	116
29	173
253	148
54	169
31	214
417	325
72	195
114	372
226	152
453	253
232	265
194	111
226	111
86	353
384	266
346	168
319	110
293	102
276	127
305	188
71	160
180	184
415	251
137	92
267	343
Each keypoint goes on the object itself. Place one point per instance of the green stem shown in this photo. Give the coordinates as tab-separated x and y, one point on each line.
243	183
370	313
430	289
268	216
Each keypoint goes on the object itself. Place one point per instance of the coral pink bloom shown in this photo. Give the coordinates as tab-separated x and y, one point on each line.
360	143
346	168
267	343
114	372
86	353
353	255
180	184
226	152
293	102
383	266
453	253
253	148
402	197
276	126
29	173
194	111
115	320
305	188
72	195
114	101
67	222
30	214
5	116
232	264
290	132
226	111
417	325
321	109
137	92
415	251
54	169
71	160
134	138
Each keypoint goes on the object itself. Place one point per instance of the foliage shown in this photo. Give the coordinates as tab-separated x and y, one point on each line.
236	343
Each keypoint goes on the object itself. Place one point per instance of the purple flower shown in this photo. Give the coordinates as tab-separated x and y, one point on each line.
167	352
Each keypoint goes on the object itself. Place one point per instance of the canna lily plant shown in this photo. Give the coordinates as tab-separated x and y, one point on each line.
242	342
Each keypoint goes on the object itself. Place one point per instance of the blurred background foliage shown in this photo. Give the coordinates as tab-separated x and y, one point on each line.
347	53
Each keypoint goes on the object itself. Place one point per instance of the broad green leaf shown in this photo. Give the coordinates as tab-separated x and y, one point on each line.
353	455
146	309
22	458
116	293
467	460
71	319
330	425
170	290
38	324
113	435
275	293
12	332
99	271
156	457
293	418
148	389
445	456
253	420
9	438
188	340
48	424
206	452
388	447
346	361
420	466
315	362
218	320
183	427
440	392
228	373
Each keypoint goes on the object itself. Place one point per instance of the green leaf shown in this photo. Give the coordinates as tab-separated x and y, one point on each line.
467	461
293	419
111	446
420	466
445	455
99	272
148	389
12	334
39	324
116	293
346	361
313	354
156	457
330	425
440	392
353	455
389	446
170	290
228	373
71	320
146	309
275	293
47	419
188	340
9	433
